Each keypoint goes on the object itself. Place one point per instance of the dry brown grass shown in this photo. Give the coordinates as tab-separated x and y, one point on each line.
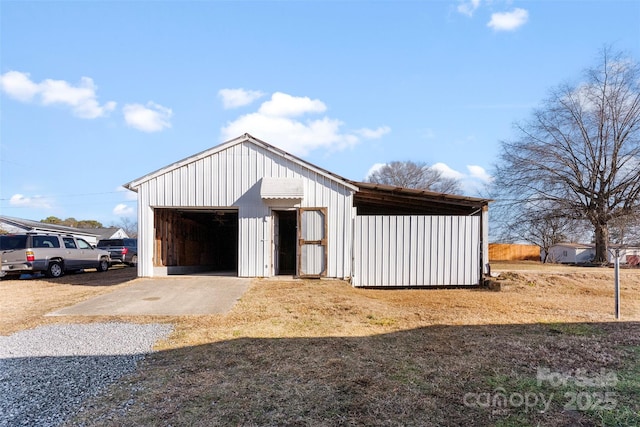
323	353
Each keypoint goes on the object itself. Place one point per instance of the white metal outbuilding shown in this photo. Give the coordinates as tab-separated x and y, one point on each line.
249	208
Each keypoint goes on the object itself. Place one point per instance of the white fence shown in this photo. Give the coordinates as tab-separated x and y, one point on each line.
417	251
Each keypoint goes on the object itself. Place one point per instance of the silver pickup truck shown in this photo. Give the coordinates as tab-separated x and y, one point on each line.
51	254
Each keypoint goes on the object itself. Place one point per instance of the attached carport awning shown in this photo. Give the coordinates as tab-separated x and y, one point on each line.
379	199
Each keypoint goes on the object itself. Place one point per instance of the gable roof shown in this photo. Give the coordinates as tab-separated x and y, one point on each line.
246	138
103	233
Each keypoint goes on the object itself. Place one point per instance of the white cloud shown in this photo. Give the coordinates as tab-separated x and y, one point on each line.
284	105
233	98
448	172
123	210
280	120
508	21
473	182
478	172
375	168
18	85
468	7
128	194
150	118
81	98
374	133
29	202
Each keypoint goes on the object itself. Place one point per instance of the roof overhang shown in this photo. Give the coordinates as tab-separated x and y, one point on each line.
379	199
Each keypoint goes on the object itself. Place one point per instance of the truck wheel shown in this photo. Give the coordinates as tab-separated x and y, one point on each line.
103	265
134	261
54	270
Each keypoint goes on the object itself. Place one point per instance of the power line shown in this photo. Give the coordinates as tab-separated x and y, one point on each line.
71	195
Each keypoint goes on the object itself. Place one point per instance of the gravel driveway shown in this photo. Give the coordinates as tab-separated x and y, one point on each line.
47	372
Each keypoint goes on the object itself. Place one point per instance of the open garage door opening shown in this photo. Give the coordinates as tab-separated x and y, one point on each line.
196	241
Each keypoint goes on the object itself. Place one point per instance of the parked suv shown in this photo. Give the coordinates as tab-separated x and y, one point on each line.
121	250
52	254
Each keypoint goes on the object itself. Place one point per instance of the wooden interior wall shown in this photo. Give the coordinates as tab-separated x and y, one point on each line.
181	241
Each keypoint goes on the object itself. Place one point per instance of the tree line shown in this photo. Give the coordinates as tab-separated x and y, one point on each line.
130	227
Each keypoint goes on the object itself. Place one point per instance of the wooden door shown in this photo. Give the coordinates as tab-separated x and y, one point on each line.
312	242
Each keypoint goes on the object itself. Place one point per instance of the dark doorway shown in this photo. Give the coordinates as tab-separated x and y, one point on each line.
286	236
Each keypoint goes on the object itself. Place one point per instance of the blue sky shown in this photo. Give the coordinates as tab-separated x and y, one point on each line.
96	94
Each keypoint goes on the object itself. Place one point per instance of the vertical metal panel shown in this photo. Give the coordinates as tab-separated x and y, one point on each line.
416	250
158	194
152	190
365	232
406	250
378	239
145	228
455	261
198	193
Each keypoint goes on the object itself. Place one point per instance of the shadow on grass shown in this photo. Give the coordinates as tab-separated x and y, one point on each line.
499	375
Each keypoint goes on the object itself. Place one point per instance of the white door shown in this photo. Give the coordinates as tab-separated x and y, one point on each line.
312	242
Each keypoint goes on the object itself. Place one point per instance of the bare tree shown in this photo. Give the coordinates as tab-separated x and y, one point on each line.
543	226
581	150
417	175
626	230
129	226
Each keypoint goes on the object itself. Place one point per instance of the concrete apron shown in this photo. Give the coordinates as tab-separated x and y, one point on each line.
170	296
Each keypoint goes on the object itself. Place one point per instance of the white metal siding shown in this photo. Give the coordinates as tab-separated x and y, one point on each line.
417	250
231	178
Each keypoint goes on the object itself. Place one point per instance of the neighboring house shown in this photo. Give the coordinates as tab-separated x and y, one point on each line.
629	255
570	253
91	235
579	253
250	208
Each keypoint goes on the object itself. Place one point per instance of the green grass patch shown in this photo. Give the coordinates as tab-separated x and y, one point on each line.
576	329
380	321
